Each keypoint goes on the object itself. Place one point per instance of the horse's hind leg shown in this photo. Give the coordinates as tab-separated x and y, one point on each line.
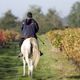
30	67
24	66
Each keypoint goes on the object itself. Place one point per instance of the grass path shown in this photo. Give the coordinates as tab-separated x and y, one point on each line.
52	66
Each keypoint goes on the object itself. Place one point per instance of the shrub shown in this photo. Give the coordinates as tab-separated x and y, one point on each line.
69	39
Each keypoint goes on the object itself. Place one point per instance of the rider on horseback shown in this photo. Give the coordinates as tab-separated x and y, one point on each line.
29	29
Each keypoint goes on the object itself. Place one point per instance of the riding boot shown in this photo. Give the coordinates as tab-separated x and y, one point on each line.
41	53
21	41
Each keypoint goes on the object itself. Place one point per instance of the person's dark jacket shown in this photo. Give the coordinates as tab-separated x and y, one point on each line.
29	28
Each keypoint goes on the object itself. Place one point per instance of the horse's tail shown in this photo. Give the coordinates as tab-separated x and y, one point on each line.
36	57
35	52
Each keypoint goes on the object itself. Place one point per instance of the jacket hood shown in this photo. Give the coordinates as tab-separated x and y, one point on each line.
28	21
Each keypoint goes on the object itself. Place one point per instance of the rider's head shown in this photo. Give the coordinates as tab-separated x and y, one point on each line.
29	15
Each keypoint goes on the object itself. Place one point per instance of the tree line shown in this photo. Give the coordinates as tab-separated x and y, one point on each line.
49	21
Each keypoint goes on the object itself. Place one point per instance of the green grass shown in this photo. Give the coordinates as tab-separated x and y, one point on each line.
52	65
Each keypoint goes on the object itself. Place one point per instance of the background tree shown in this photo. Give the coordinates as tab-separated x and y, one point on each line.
39	17
46	22
53	19
74	16
8	20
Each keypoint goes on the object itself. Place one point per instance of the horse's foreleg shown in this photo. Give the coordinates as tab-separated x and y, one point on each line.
24	66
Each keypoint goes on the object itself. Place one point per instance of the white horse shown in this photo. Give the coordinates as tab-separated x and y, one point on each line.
31	54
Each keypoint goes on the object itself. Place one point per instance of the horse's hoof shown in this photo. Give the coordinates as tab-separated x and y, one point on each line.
23	75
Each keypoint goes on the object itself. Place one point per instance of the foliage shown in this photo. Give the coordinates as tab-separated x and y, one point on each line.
74	16
7	36
53	18
12	35
69	40
55	37
2	37
8	20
